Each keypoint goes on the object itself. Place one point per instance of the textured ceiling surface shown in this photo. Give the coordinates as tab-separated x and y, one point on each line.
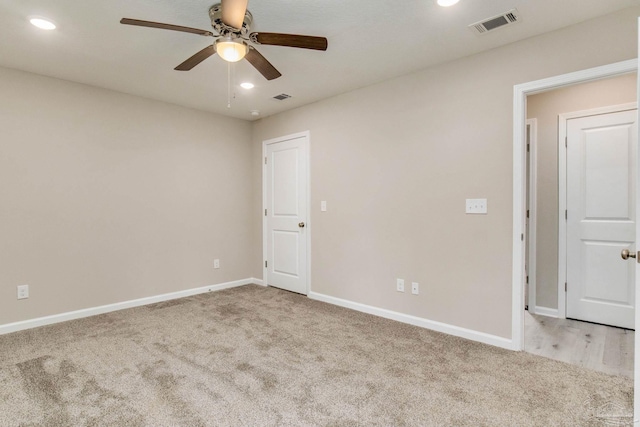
369	41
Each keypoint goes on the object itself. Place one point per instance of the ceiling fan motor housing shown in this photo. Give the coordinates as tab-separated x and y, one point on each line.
215	13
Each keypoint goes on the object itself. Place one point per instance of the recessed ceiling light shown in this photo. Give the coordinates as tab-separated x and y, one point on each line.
42	23
247	85
447	3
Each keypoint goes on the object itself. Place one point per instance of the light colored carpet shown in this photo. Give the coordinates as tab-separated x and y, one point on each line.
255	356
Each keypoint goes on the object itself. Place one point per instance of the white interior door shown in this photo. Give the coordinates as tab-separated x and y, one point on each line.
286	186
601	212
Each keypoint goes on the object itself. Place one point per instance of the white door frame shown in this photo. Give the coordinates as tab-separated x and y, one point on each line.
520	93
307	140
562	192
533	201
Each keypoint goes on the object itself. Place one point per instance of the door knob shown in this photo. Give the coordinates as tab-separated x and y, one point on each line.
626	254
301	225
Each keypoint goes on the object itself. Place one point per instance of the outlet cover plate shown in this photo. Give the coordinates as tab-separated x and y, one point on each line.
415	288
476	206
23	291
216	263
400	285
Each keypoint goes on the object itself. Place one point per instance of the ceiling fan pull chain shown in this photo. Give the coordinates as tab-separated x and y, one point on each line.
228	84
233	81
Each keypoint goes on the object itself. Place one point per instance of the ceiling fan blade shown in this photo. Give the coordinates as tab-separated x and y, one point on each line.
162	26
197	58
290	40
261	64
233	12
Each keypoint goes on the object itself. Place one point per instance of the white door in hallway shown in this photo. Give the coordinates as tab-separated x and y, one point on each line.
286	191
601	212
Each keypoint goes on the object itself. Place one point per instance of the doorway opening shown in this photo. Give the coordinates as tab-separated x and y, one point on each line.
521	92
604	139
587	204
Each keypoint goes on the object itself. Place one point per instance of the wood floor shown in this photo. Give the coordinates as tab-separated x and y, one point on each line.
598	347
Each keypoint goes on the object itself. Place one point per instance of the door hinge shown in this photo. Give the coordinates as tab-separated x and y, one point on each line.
527	279
265	160
265	264
565	286
527	213
566	215
522	237
528	145
566	142
265	212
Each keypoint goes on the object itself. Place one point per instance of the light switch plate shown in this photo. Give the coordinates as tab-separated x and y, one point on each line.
476	206
323	206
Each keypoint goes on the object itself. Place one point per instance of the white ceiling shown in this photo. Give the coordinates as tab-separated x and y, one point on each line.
369	41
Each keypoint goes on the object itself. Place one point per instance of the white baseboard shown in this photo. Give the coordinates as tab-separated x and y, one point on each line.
78	314
544	311
388	314
418	321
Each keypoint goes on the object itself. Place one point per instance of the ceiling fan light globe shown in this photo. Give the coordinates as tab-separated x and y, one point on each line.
447	3
231	50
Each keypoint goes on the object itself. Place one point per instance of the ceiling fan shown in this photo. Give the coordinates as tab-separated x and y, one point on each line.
232	22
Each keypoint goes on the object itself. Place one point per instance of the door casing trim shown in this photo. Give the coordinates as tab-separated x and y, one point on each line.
520	93
308	224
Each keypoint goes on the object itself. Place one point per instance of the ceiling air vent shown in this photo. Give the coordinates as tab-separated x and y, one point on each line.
493	23
282	97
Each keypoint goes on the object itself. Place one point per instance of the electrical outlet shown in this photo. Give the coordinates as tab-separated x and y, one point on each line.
23	291
400	285
216	263
415	288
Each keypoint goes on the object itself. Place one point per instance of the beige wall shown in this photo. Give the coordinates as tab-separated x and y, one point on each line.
106	197
395	162
546	107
